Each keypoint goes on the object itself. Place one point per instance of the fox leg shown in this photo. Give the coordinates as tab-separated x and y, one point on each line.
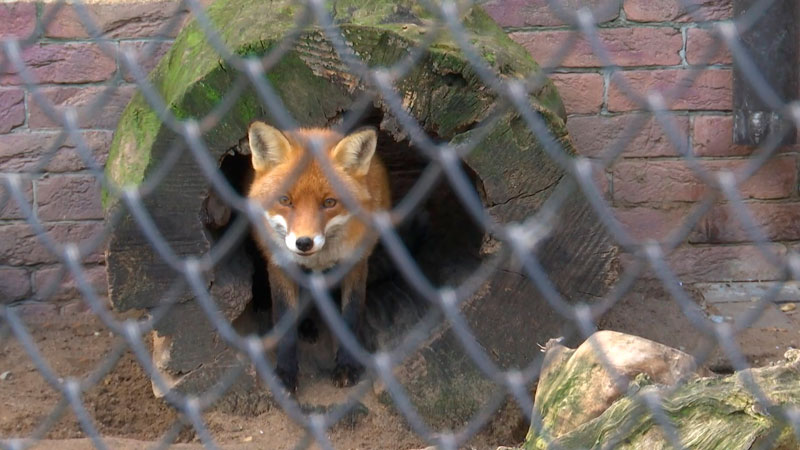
354	289
285	299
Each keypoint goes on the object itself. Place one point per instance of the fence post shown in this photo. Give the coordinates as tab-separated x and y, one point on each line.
771	44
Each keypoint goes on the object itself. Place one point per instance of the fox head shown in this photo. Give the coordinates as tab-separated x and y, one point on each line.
301	206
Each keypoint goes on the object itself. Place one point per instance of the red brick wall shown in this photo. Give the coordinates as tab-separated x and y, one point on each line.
653	41
73	71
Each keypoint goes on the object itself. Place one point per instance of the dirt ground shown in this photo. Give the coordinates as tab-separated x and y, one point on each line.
122	404
651	313
125	411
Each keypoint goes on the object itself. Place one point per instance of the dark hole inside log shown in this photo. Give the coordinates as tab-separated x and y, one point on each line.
441	237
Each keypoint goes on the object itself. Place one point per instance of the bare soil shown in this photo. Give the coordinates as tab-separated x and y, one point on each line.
126	413
648	311
122	403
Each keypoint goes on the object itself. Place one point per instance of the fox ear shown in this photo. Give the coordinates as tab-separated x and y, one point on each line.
268	146
355	151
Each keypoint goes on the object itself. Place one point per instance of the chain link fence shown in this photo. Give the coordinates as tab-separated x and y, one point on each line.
518	241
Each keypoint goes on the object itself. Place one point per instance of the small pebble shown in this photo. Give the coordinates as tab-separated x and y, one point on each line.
247	439
786	307
5	375
717	319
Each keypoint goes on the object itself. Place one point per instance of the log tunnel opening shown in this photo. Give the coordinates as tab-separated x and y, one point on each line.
440	235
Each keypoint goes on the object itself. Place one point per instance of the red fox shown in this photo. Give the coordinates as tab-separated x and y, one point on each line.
308	220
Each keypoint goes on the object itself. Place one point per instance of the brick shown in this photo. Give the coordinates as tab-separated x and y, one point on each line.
63	63
116	20
69	197
83	99
644	223
15	284
665	181
777	221
37	152
700	41
676	10
594	136
711	89
777	178
527	13
632	46
601	177
19	245
24	152
68	156
148	53
9	208
713	136
693	264
87	234
581	92
18	19
76	307
12	109
57	283
793	249
37	312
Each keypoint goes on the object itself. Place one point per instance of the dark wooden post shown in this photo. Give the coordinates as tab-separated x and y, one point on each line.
771	43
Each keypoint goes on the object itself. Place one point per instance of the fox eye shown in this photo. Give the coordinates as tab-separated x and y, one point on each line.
284	200
329	203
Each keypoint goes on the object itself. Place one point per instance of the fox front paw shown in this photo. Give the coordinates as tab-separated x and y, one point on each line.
288	380
346	375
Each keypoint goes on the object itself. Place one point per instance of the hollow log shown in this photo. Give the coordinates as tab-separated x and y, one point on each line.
510	169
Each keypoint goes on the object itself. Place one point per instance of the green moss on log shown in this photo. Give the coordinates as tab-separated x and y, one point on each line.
126	164
192	78
707	413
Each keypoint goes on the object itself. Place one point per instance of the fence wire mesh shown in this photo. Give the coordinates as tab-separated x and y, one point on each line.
518	241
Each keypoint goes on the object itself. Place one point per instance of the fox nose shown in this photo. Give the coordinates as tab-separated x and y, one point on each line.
304	243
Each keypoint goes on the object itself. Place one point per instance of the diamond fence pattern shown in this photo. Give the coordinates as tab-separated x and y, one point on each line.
518	240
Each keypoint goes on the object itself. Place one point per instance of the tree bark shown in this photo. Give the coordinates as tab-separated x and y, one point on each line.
706	413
